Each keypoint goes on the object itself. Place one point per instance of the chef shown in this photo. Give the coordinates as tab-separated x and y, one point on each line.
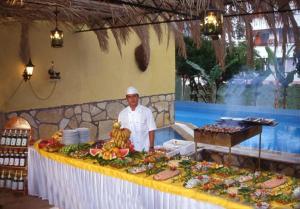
139	120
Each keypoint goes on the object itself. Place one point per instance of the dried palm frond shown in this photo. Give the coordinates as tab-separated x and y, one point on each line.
103	13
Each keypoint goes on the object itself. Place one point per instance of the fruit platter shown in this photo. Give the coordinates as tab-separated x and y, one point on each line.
257	189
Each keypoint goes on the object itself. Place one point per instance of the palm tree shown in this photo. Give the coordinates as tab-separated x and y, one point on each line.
282	78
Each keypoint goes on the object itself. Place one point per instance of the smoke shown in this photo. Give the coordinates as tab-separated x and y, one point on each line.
248	88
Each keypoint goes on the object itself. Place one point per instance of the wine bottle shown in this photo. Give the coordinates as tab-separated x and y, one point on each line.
1	157
21	182
2	179
8	138
11	158
17	159
8	181
3	137
13	138
24	139
14	184
19	139
22	159
6	158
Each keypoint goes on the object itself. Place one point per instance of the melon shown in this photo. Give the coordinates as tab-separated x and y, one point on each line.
123	152
95	152
112	156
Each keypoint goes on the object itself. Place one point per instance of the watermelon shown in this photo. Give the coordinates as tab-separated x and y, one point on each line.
123	152
94	152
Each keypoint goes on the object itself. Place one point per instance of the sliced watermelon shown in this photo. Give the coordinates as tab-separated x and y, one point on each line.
94	152
123	152
113	156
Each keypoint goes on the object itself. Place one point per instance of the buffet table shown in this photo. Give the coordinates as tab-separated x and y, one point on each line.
81	184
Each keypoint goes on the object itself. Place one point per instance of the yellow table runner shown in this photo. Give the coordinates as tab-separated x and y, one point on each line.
143	180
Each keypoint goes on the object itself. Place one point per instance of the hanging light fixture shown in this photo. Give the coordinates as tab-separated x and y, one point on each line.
212	22
56	34
28	71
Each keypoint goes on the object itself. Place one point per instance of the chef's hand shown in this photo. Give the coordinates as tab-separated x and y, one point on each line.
151	149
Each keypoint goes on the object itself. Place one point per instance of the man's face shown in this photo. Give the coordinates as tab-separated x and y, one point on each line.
132	99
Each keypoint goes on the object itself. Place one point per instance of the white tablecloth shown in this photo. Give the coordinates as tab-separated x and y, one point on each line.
68	187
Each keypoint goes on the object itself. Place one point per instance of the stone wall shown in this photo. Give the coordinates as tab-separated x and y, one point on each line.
289	169
98	116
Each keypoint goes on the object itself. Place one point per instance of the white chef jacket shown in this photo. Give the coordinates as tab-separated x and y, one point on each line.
139	122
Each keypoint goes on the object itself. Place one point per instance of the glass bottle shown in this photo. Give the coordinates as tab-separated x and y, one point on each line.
8	138
24	139
3	137
8	181
1	157
21	182
6	158
2	179
17	159
19	139
11	158
14	184
13	138
22	160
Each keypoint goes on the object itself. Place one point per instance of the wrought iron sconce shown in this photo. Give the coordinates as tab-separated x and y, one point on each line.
28	70
52	73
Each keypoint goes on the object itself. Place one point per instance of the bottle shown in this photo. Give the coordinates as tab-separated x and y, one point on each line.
13	138
21	182
11	158
6	158
2	179
19	139
3	137
1	157
22	160
8	181
7	139
14	184
17	159
24	139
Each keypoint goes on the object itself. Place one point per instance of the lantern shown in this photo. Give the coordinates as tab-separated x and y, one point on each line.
212	23
56	35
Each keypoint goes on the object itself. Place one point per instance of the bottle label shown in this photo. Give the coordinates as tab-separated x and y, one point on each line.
11	161
7	142
18	142
24	142
3	140
20	185
17	161
1	161
13	142
14	185
6	161
22	162
8	183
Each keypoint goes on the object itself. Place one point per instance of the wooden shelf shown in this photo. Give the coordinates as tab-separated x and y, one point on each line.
12	147
9	167
18	123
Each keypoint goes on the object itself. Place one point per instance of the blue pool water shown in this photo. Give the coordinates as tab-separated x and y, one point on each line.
165	134
285	137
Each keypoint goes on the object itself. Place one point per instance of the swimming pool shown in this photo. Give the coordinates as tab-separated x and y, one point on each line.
285	137
164	134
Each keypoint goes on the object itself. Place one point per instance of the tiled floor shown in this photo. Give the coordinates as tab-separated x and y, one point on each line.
10	200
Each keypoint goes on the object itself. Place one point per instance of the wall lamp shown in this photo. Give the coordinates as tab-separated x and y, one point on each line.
54	75
28	71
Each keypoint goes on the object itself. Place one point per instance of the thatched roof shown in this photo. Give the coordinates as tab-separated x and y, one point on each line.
182	17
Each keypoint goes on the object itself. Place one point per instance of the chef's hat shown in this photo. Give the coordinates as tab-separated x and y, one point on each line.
131	90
